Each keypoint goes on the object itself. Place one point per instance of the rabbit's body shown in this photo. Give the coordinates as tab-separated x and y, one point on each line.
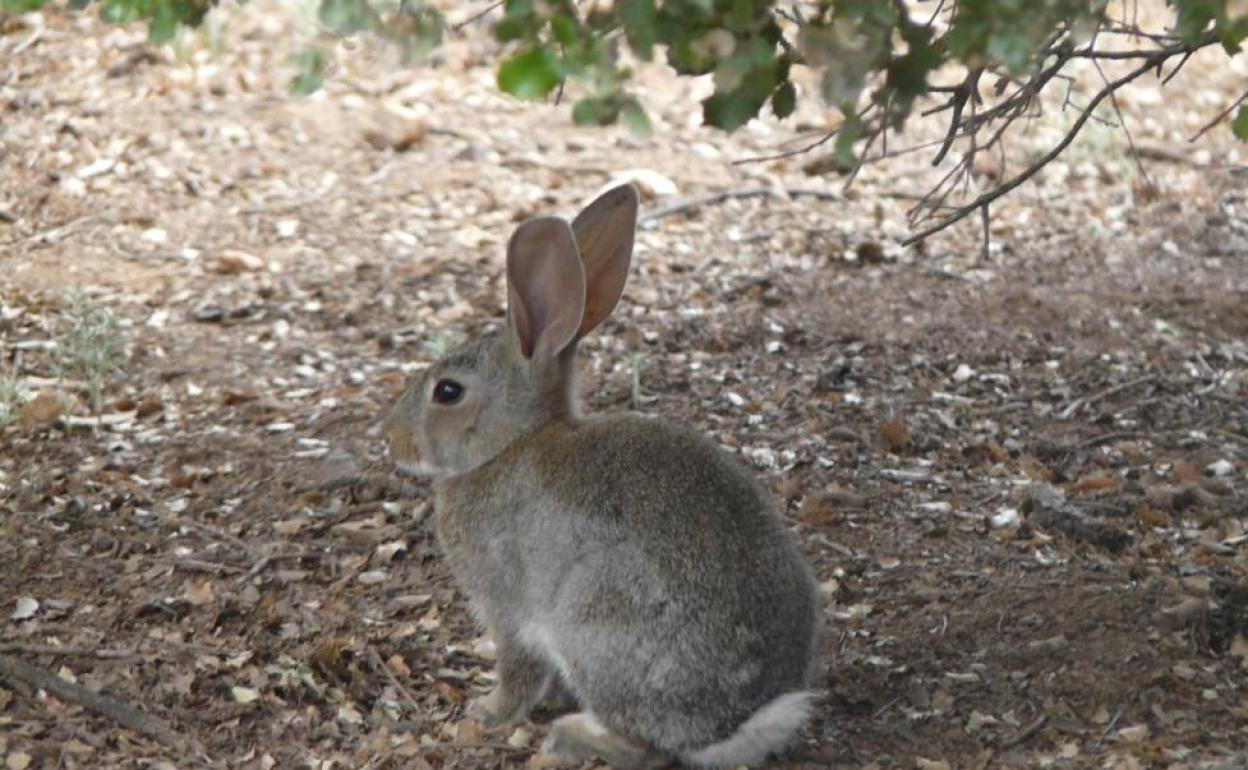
626	561
606	582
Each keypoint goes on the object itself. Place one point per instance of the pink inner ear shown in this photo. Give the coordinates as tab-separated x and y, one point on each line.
545	287
520	321
604	234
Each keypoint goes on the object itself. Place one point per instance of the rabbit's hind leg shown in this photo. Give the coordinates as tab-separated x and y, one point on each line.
575	738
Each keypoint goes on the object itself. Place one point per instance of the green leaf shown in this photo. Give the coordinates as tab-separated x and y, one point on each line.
1240	124
512	8
595	111
639	26
312	62
908	74
346	16
118	11
164	24
784	100
731	109
564	30
21	6
530	74
635	117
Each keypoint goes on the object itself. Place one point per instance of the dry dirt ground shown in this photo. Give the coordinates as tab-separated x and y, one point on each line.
1020	475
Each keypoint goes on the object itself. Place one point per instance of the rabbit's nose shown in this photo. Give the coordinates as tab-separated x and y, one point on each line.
397	434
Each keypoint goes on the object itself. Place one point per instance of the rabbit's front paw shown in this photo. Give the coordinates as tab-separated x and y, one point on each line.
489	710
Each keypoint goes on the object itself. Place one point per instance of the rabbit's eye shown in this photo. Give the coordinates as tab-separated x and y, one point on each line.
447	392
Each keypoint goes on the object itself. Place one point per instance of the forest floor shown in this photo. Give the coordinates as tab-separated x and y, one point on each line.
1020	473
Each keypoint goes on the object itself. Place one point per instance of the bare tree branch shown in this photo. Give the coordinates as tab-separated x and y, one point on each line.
961	212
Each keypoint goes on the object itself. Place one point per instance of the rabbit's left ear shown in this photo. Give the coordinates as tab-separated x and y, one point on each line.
604	233
545	288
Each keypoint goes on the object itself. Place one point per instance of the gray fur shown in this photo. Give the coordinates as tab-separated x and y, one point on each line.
627	560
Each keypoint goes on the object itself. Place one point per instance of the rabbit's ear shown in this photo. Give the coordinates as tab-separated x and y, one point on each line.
545	287
604	234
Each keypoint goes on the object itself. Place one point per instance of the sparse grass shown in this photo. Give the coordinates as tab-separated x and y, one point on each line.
10	399
92	347
637	362
438	345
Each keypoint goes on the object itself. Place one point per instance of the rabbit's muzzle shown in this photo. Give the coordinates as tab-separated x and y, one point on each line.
397	433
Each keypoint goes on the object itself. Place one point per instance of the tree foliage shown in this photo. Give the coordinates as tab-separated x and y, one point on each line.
876	59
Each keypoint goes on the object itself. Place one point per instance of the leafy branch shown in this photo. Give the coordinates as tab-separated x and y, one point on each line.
878	61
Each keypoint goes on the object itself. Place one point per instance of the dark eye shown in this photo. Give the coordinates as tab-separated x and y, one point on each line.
447	392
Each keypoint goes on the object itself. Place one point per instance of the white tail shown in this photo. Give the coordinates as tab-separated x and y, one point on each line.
769	729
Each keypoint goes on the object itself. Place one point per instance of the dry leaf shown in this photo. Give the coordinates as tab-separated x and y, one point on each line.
231	261
1133	734
818	510
1093	484
1239	649
1185	472
244	694
43	409
18	760
25	608
399	665
894	437
979	721
199	593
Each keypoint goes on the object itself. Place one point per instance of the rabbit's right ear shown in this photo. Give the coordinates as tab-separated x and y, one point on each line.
604	233
545	287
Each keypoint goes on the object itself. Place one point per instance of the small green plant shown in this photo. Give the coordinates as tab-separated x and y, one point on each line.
92	347
441	343
10	399
637	363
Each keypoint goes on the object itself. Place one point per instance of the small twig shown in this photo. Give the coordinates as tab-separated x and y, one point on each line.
1220	117
120	712
1109	728
1025	733
688	204
987	224
199	565
478	15
1122	124
1080	403
216	532
54	233
35	37
77	652
263	563
1234	435
790	153
394	680
882	709
960	213
1106	438
961	94
827	137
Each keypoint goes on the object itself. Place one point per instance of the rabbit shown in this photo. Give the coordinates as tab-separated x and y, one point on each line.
625	562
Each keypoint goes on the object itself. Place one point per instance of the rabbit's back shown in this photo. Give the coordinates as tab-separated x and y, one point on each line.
645	564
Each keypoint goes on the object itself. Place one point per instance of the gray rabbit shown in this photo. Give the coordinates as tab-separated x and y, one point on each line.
624	562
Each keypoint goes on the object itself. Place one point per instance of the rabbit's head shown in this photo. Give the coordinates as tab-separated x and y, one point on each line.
562	281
